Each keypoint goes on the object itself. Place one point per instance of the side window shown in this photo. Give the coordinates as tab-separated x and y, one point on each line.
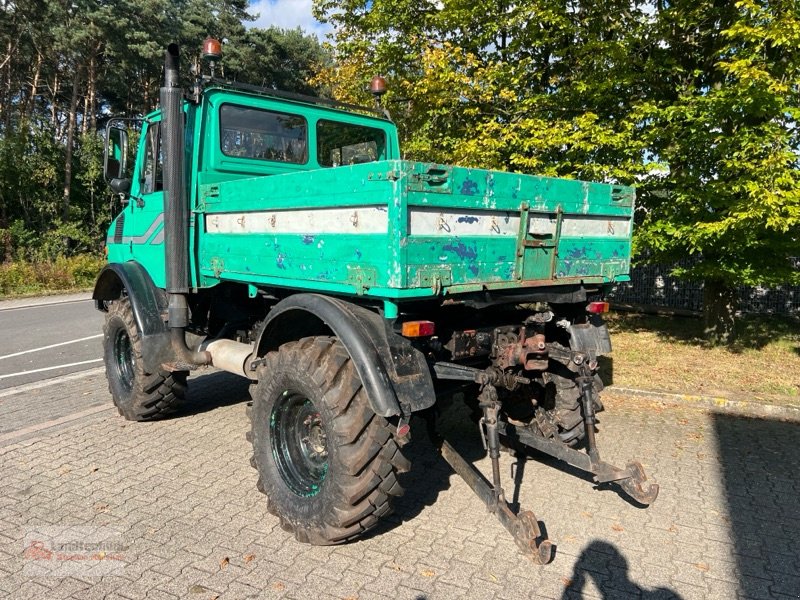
263	134
152	171
346	144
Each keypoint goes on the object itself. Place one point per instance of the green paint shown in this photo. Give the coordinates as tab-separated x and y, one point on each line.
394	264
390	310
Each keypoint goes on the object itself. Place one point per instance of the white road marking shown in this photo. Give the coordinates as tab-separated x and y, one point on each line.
83	339
75	364
39	304
29	387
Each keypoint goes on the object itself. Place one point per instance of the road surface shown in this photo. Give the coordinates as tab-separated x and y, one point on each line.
46	338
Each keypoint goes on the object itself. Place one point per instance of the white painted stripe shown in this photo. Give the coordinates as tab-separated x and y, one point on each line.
29	387
447	223
36	303
354	219
437	222
75	364
83	339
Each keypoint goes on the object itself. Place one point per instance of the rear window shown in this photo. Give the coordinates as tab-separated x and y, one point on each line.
346	144
247	132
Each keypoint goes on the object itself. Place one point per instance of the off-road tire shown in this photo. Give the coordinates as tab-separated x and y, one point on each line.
566	400
315	378
138	395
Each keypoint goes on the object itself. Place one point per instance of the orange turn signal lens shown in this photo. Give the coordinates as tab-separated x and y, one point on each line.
417	329
597	307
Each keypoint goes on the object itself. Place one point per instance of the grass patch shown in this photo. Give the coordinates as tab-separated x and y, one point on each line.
669	354
23	278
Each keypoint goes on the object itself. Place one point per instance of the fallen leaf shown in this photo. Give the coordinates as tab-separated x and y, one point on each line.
224	563
492	575
617	527
567	582
278	586
428	573
248	558
198	589
101	507
64	470
672	528
395	567
701	567
586	514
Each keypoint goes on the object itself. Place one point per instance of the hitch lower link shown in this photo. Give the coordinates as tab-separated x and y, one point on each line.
523	526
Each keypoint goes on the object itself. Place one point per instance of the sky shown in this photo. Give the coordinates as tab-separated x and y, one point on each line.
287	14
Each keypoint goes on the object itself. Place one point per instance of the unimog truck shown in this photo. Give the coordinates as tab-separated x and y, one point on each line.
285	239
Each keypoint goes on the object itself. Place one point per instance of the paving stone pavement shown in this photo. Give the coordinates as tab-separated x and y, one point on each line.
182	497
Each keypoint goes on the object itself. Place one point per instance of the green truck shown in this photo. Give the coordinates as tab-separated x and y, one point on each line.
285	239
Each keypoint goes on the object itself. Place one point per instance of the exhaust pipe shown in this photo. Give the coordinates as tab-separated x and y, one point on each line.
228	355
176	214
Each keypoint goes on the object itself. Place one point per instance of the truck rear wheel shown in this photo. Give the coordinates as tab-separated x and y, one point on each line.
327	463
138	396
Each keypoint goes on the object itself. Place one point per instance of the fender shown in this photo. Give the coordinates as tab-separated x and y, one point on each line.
395	375
148	302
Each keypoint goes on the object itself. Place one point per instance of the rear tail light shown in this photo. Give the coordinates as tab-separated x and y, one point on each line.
597	307
417	329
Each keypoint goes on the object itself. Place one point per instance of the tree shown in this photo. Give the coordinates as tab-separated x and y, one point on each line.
66	66
695	102
722	120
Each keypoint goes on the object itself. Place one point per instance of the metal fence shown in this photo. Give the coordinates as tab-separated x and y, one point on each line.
652	285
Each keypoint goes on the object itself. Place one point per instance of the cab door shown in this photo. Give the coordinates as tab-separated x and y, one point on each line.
146	232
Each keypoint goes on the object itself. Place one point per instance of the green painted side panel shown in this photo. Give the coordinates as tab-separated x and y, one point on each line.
445	230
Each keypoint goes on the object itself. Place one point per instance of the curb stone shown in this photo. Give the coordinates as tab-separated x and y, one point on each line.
743	407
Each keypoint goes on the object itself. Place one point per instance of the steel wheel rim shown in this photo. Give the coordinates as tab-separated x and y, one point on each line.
123	359
299	444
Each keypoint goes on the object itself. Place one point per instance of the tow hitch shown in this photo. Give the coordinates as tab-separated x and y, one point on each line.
524	526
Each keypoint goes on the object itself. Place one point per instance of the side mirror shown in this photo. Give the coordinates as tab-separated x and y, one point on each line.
120	185
115	156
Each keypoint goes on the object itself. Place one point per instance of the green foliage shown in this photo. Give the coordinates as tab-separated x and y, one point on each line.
66	66
695	101
23	277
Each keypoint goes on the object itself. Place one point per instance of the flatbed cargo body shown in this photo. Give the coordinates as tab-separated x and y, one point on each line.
400	229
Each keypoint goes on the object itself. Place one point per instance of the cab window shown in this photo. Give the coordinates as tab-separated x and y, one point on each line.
247	132
152	178
348	144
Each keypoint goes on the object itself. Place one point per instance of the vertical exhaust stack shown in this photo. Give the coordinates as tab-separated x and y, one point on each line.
176	213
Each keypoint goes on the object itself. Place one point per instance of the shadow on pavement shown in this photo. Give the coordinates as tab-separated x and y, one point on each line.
604	565
759	466
213	390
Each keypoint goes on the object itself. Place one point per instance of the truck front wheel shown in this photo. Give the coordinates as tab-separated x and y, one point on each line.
327	463
138	396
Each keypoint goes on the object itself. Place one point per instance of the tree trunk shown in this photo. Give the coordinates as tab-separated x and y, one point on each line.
73	115
37	72
720	301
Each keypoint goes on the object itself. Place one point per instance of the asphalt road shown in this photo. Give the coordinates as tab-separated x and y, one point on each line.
41	341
